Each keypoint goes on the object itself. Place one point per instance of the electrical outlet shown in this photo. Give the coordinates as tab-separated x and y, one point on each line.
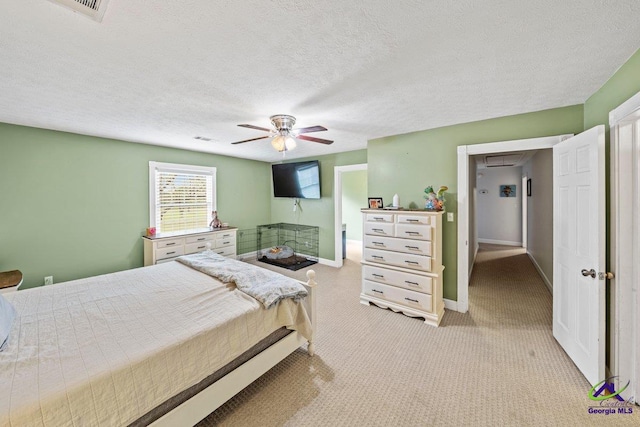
450	216
48	280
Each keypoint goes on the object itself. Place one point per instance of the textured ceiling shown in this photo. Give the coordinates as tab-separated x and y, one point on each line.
162	72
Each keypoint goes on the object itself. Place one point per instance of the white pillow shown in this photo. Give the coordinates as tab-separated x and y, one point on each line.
7	314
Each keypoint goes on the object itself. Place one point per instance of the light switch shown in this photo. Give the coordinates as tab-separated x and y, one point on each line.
450	216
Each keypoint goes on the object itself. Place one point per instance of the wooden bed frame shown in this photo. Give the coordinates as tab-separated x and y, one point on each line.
208	400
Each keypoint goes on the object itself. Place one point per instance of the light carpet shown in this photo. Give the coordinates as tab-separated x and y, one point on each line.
498	364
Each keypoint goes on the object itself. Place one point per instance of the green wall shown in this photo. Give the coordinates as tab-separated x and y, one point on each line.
74	206
319	212
354	198
621	86
406	164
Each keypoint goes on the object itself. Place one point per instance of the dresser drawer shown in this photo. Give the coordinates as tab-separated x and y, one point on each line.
169	252
410	281
199	238
226	235
381	217
223	242
413	219
417	262
413	231
419	247
192	248
167	243
382	229
226	251
400	296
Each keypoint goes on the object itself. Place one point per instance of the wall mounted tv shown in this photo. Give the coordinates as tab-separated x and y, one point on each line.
299	180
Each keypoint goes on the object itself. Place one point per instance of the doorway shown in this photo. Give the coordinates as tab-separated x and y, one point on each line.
350	194
467	240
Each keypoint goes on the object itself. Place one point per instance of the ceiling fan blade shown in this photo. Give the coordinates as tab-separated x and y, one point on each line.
252	139
310	129
310	138
255	127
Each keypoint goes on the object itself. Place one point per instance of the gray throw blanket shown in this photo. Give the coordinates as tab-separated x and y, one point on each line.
266	286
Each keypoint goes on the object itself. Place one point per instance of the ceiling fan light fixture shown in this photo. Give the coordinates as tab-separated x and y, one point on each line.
283	143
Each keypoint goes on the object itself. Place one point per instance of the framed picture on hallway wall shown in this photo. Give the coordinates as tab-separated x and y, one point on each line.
508	190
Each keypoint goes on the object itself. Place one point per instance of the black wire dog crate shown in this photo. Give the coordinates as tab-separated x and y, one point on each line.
290	246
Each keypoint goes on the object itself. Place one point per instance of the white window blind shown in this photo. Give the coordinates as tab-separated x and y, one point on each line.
182	197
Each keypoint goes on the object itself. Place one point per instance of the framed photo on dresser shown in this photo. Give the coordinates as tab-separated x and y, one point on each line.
375	203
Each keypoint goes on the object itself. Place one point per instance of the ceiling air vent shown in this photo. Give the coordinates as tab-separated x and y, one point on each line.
94	9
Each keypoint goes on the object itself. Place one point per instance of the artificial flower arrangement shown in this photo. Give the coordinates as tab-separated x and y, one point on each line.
435	200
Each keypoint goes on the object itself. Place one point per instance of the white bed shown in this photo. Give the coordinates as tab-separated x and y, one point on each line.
109	349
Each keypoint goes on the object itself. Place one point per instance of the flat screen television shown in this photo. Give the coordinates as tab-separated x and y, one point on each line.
299	180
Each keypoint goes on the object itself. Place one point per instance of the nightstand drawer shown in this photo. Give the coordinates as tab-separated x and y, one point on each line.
416	262
382	229
413	231
409	281
169	252
400	296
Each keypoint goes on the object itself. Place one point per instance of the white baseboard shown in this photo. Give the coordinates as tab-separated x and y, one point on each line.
329	262
247	255
450	304
545	279
500	242
473	261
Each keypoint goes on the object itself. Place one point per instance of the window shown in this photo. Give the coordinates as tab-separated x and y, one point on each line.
181	197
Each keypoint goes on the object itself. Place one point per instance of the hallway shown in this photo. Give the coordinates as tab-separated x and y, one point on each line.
506	290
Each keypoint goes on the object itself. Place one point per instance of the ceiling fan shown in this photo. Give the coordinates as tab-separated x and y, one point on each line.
283	133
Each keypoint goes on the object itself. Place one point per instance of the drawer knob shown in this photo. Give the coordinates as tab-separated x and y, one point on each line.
413	220
201	247
377	257
378	243
412	232
201	239
415	248
377	275
171	253
411	262
171	244
377	291
411	283
412	300
379	230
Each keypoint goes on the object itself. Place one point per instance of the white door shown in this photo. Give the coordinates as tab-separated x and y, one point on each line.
579	250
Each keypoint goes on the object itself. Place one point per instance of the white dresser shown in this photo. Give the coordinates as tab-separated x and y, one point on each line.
160	248
402	262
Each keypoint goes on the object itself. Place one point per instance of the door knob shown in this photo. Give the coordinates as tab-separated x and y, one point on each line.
591	273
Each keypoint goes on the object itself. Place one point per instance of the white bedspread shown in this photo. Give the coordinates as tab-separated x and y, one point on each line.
106	350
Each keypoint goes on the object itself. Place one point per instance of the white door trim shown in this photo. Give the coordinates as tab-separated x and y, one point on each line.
337	206
464	152
525	211
625	244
